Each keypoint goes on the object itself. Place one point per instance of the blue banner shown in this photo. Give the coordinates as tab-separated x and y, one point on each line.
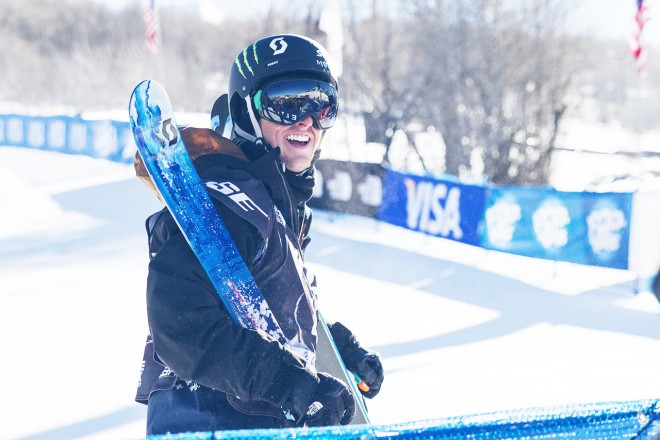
584	228
437	207
103	139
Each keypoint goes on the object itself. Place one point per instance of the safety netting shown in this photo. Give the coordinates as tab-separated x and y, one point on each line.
638	420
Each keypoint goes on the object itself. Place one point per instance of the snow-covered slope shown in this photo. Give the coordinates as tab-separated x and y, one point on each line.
462	330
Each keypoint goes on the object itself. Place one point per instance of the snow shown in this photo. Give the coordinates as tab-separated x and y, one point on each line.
461	330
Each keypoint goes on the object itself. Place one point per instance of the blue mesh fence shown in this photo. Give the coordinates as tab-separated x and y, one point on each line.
598	421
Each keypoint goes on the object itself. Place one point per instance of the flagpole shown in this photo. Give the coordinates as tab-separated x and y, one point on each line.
638	50
161	57
153	38
640	53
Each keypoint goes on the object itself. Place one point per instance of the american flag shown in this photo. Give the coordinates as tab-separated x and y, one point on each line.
636	45
151	27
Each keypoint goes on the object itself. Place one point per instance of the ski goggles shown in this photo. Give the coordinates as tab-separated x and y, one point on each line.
289	101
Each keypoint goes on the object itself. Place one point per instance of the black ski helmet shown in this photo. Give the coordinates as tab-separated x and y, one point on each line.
285	56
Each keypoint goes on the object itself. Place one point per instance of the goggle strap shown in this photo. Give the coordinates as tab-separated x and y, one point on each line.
253	118
257	100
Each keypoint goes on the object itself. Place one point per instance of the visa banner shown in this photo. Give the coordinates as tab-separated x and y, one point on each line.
584	228
437	207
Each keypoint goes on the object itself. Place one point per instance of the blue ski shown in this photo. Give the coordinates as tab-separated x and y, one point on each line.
166	159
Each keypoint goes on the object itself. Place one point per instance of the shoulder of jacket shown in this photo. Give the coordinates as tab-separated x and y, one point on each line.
203	141
199	142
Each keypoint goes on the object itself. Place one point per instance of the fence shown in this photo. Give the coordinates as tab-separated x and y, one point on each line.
104	139
638	420
585	228
599	229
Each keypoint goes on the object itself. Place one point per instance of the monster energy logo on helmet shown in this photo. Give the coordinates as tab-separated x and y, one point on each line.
246	61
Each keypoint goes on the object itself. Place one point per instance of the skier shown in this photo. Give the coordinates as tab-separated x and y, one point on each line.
201	371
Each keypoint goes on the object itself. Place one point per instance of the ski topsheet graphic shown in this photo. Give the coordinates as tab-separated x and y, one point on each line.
165	157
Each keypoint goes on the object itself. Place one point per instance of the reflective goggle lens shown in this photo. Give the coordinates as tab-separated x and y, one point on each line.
287	102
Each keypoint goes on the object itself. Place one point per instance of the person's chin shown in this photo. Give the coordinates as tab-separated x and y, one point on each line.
298	157
298	165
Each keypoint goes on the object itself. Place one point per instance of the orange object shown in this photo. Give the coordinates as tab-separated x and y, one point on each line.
364	387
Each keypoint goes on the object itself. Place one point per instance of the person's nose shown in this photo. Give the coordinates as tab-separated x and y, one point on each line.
307	121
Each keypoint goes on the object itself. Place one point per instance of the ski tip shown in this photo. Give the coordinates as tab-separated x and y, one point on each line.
140	88
148	87
148	83
137	96
148	96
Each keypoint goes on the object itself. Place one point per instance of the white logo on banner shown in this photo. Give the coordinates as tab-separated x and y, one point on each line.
605	227
105	138
57	134
371	190
77	136
318	186
340	187
36	134
425	211
15	131
501	220
550	221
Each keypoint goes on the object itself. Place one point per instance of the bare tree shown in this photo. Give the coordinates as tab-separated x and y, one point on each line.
380	71
501	75
490	75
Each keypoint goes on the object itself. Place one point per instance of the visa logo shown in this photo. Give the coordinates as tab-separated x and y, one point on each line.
433	208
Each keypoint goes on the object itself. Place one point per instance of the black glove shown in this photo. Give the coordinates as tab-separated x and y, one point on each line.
331	404
366	364
322	401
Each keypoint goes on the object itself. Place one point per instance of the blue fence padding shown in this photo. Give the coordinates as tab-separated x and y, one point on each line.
584	228
598	421
103	139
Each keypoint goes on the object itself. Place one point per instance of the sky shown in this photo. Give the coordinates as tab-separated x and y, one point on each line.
461	330
602	18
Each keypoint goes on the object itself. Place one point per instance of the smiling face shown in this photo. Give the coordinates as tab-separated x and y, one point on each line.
298	141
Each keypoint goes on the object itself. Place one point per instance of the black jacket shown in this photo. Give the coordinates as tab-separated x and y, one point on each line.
192	336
